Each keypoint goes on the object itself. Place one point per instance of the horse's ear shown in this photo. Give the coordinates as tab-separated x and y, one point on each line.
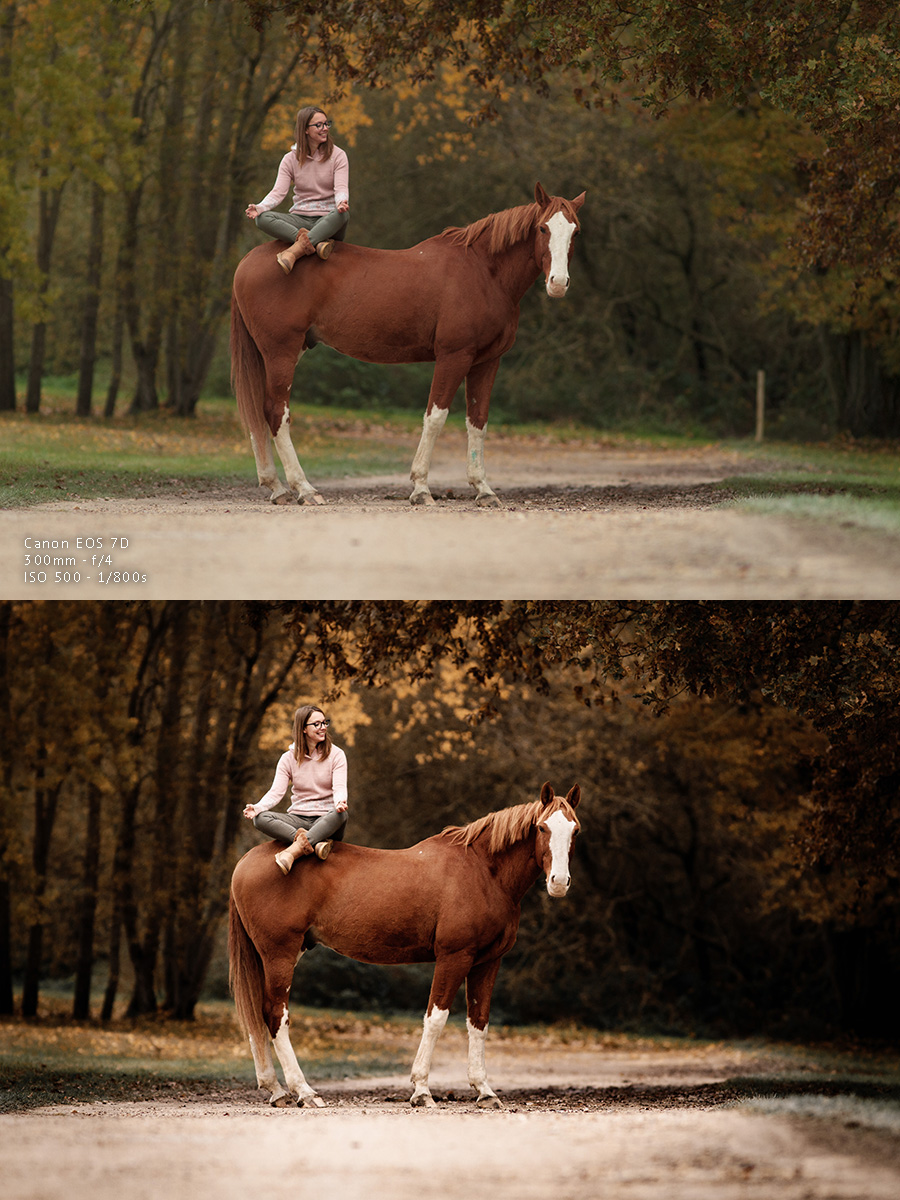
574	796
546	793
578	201
540	195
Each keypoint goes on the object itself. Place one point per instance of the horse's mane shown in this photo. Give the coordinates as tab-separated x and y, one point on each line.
504	228
505	827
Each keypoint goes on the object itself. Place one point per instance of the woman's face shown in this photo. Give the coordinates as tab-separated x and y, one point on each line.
317	137
314	736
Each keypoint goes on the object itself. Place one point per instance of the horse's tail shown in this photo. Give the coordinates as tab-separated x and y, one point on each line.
248	377
245	977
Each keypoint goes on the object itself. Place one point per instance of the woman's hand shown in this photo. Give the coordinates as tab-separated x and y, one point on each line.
340	805
343	206
252	211
249	811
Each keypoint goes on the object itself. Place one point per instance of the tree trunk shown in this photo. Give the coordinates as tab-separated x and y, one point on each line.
115	959
6	758
46	801
866	397
81	1005
91	305
48	209
7	126
115	373
7	347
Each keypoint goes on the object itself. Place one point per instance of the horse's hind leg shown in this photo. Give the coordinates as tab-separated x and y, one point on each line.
266	472
275	1014
479	383
279	375
479	989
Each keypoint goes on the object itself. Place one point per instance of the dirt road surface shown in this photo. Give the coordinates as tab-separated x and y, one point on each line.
576	1126
576	523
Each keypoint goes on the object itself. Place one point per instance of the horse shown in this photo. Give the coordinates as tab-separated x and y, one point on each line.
453	899
452	300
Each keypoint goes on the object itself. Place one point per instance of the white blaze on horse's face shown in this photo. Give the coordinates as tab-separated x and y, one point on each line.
562	830
561	231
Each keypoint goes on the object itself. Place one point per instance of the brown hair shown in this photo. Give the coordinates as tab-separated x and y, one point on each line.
301	748
304	116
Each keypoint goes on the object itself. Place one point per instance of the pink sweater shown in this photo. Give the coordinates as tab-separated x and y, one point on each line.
316	784
319	186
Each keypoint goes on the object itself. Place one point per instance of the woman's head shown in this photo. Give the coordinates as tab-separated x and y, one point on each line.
312	132
309	733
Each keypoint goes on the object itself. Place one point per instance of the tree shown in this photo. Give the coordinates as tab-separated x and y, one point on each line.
832	66
831	662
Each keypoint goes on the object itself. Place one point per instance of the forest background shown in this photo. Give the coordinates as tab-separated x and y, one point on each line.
740	163
738	867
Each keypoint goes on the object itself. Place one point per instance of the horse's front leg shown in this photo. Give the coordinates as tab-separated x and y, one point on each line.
449	373
479	383
479	989
448	975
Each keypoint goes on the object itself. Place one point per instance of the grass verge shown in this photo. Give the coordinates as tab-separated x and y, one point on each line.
856	485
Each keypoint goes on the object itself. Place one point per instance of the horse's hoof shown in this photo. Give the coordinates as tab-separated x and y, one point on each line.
283	1101
422	1100
488	1102
282	498
312	1101
488	500
423	498
311	498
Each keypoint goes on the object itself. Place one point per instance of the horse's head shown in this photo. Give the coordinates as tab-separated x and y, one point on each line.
555	235
556	829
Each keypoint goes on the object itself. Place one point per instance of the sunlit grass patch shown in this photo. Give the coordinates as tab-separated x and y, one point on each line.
56	456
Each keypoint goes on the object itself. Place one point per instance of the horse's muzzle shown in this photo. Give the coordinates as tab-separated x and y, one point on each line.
557	287
557	885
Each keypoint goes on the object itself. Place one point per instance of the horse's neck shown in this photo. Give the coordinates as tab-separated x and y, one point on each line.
515	867
517	268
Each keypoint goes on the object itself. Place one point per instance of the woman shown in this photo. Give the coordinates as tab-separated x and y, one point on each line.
320	174
316	772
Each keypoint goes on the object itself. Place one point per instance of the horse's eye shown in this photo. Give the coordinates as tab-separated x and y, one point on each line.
544	229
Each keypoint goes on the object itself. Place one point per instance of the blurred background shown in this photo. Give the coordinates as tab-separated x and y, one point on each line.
135	134
737	869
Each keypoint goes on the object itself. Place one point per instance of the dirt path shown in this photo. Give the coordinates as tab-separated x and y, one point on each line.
577	1125
576	523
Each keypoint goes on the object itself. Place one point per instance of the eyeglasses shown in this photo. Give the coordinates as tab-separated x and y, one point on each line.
320	125
317	724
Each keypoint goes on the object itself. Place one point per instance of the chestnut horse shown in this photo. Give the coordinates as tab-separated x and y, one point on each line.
452	300
453	900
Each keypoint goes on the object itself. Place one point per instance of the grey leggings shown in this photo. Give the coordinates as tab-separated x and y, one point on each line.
282	826
286	226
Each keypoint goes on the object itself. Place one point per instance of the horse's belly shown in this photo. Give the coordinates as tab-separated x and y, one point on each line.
381	949
382	349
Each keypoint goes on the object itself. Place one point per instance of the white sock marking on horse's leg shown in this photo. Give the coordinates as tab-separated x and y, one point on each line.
265	1069
432	424
293	1076
291	463
477	1071
475	462
432	1027
265	467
